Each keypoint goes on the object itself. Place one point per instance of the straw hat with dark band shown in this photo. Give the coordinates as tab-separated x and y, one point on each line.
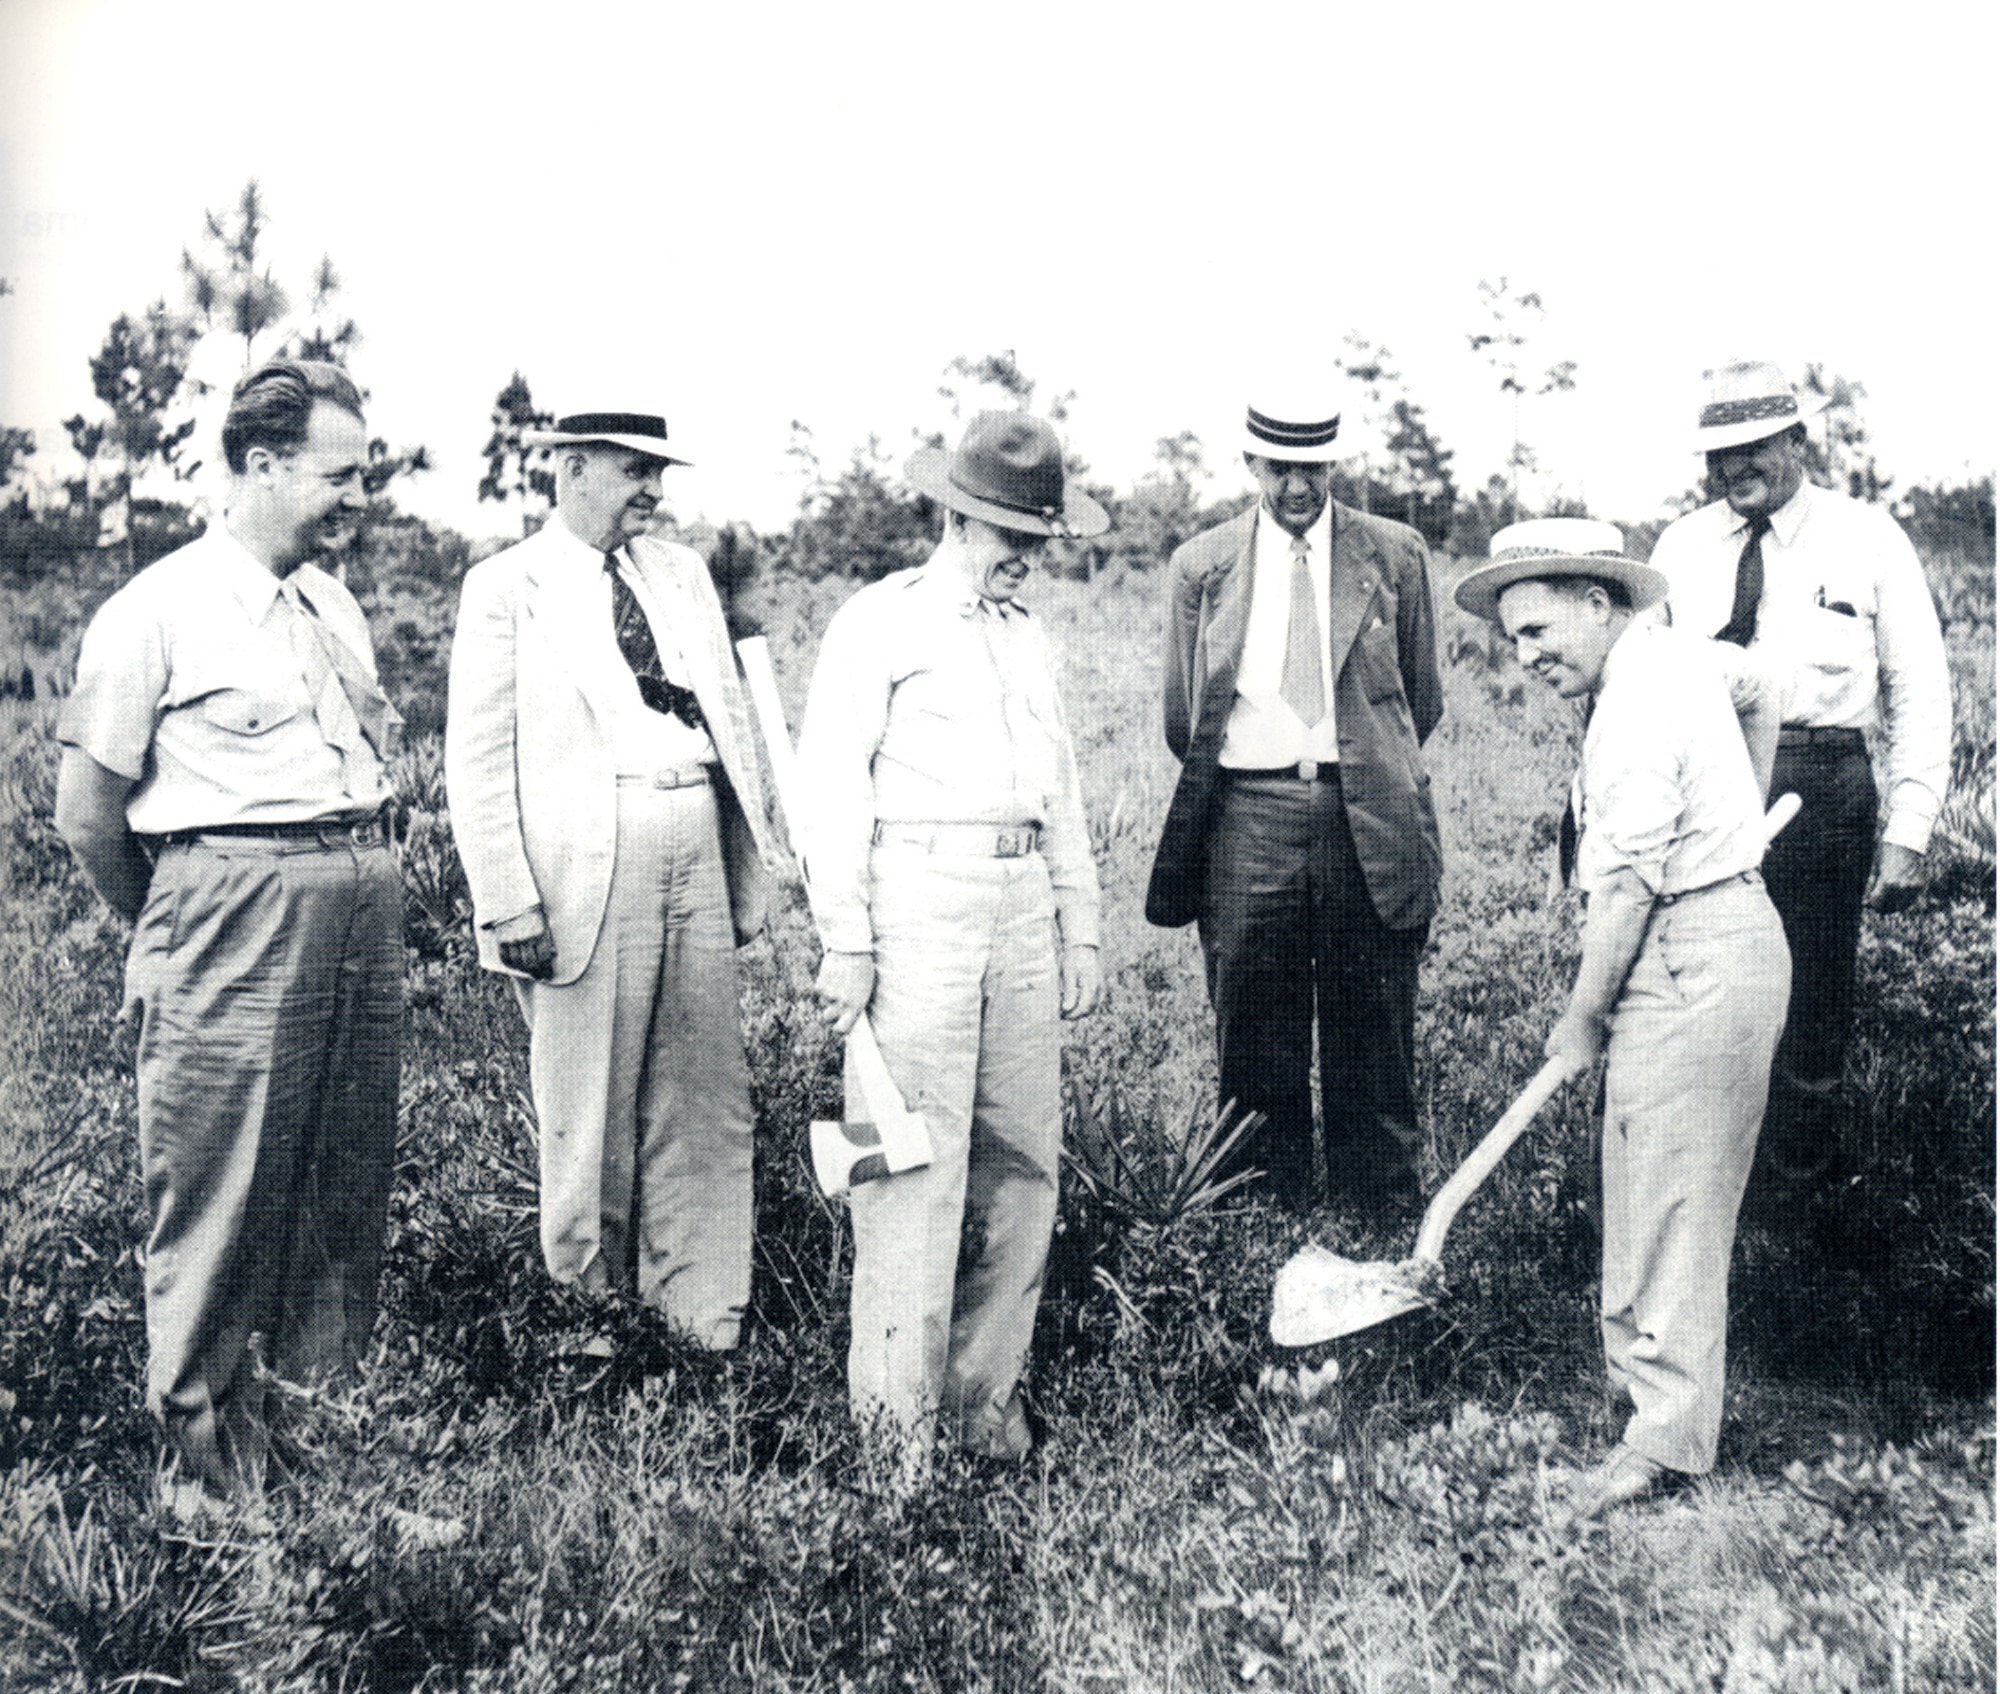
1008	471
642	432
1557	547
1300	427
1748	401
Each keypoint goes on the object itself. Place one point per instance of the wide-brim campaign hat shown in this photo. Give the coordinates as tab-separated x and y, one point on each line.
1007	471
1299	423
1750	400
1557	547
642	432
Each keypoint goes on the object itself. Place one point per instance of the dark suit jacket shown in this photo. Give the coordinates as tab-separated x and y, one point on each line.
1386	700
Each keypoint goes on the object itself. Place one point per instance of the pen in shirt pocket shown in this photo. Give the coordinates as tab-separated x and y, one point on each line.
1840	606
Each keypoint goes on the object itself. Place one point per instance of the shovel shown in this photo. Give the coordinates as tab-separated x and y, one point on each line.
1319	1295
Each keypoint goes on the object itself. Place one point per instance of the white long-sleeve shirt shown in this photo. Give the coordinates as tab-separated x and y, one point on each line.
1846	626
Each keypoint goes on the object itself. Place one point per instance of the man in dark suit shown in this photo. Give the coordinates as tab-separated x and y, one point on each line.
1301	680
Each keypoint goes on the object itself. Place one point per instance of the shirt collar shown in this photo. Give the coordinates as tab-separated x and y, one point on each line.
570	549
1319	537
1785	521
254	583
944	579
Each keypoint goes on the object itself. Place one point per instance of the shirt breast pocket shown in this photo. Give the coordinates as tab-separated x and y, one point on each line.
1835	643
244	711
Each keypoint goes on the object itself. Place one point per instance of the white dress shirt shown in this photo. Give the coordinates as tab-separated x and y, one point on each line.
1666	788
642	740
932	704
1263	731
1846	625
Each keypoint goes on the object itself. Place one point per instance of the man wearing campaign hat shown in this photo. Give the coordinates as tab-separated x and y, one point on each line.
1301	682
609	808
1828	593
957	898
1684	970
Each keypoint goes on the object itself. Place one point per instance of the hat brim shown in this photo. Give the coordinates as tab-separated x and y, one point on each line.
649	445
1480	590
928	472
1719	436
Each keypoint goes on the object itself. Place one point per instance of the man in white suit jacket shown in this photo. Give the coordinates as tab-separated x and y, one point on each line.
608	806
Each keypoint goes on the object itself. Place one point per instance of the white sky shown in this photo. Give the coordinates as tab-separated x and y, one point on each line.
742	214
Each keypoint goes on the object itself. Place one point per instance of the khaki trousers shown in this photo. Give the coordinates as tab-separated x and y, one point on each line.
1688	1068
948	1260
642	1091
269	980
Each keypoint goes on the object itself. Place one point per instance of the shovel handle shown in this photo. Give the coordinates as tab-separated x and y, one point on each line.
1490	1151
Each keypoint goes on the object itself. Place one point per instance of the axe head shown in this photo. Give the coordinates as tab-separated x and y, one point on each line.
845	1155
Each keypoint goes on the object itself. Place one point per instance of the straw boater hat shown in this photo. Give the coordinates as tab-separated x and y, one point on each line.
1007	471
1297	423
642	432
1557	547
1746	402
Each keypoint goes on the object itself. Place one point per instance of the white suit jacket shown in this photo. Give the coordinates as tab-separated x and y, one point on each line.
529	772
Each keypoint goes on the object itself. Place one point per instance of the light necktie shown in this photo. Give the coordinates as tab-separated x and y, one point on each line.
1742	624
1302	688
642	653
352	713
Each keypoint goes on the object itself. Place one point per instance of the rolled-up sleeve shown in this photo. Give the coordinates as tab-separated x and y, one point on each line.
1066	835
847	708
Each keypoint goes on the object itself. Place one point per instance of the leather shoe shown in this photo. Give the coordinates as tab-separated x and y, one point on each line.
1625	1476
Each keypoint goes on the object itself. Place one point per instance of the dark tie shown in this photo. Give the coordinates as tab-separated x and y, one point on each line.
1301	686
642	653
1742	624
1566	832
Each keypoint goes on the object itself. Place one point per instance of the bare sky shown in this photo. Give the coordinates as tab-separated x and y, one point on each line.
743	214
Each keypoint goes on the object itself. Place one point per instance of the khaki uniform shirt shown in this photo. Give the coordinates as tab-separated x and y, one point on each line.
932	704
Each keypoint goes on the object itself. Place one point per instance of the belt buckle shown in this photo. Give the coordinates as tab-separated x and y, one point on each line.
1308	770
1015	843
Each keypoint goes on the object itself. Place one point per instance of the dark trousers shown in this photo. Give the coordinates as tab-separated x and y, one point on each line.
1288	925
269	975
1817	873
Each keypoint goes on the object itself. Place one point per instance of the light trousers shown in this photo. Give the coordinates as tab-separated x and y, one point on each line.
641	1087
269	979
1688	1068
948	1260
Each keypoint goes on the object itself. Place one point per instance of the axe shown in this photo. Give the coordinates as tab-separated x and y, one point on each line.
893	1138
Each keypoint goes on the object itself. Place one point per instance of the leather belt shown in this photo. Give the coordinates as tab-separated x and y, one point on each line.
1820	735
370	831
981	840
677	776
1306	770
1754	878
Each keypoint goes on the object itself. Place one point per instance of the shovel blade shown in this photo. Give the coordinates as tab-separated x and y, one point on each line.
1319	1295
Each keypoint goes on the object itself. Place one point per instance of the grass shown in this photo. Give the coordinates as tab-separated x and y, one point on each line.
1199	1516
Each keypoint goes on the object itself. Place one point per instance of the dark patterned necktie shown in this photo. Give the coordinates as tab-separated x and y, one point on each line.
642	653
1742	624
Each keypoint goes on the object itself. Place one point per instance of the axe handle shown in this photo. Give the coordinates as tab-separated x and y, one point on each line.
1490	1151
906	1141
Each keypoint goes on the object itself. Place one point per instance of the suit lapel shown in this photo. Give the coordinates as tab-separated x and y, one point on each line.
1356	571
1228	619
564	619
